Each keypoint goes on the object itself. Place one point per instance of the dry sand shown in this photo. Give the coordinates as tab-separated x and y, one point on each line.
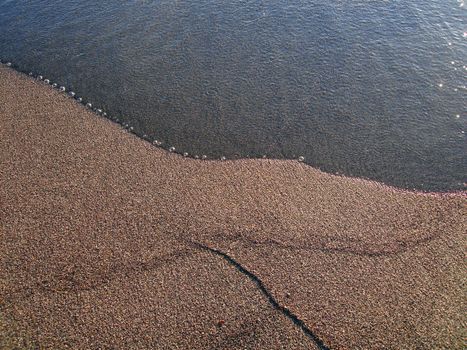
102	240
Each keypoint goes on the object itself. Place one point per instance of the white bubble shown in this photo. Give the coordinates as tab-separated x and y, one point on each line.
440	85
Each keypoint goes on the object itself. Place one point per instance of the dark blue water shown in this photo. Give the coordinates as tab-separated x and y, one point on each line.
365	88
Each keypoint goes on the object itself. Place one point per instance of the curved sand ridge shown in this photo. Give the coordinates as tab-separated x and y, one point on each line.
109	242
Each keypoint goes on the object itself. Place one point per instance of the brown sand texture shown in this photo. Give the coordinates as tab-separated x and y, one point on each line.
108	242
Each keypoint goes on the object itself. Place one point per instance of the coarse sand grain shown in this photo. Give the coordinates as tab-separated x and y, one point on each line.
107	242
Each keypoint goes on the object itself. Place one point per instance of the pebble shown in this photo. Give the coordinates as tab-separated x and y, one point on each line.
172	149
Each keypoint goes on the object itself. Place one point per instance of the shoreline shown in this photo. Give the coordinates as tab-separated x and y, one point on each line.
101	113
98	227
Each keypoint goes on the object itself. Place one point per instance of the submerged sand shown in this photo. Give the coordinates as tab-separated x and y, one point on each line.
108	242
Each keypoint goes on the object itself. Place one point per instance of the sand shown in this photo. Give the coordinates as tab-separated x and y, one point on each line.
108	242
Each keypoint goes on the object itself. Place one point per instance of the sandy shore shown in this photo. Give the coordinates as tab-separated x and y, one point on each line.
108	242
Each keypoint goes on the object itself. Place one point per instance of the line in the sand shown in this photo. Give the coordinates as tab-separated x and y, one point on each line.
385	249
284	310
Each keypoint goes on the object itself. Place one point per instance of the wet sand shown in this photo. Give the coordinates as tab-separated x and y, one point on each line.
108	242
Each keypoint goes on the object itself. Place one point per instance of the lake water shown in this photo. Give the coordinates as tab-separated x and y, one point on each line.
371	89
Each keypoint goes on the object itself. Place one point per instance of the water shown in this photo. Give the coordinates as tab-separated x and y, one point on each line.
371	89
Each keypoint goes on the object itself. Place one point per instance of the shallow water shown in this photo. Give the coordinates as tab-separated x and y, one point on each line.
365	88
